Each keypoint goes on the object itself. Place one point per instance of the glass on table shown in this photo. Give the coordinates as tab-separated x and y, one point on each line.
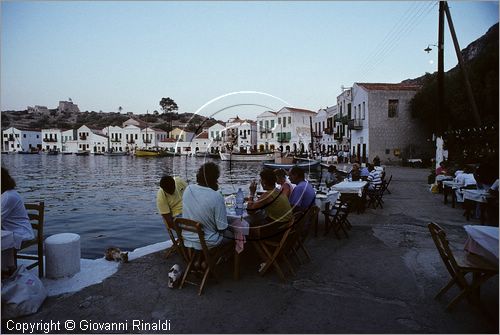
230	201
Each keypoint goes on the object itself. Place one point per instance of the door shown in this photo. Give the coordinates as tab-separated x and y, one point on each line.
364	152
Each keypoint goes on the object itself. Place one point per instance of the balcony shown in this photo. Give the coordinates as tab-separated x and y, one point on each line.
338	136
328	131
217	138
50	140
115	140
83	137
355	124
265	131
130	141
317	134
147	141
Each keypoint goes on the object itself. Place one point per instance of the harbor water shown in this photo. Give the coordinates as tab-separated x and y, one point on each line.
111	201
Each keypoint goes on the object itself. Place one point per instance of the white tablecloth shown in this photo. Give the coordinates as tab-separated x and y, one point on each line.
442	177
350	187
7	239
322	199
483	241
476	195
450	183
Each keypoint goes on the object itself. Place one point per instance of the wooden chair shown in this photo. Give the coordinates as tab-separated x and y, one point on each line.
336	218
459	267
303	223
175	241
36	213
375	196
206	258
385	185
275	244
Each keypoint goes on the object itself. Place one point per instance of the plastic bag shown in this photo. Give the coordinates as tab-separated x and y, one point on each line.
22	294
435	188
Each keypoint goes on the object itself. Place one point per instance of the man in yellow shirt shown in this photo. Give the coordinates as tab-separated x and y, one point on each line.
169	198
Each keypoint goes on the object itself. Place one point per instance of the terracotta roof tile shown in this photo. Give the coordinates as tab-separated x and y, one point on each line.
389	87
293	109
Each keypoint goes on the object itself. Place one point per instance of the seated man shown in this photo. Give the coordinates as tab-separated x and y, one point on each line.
331	176
374	178
202	203
273	201
169	198
303	195
467	180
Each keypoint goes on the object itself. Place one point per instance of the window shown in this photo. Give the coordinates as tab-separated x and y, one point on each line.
359	111
18	145
284	121
136	136
212	134
387	151
364	110
37	136
289	120
272	135
4	135
17	135
261	124
272	124
24	135
393	108
354	113
267	124
279	120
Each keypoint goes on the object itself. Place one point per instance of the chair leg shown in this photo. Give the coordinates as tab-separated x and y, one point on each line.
205	275
445	288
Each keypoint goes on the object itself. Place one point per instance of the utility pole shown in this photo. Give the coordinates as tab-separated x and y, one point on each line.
440	77
468	87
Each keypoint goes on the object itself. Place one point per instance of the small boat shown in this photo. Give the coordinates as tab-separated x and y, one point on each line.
207	154
246	157
115	153
167	153
83	153
98	153
5	152
146	153
309	165
67	153
27	152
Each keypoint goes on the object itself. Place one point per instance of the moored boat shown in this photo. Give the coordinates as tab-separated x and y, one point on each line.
115	153
306	165
53	152
146	153
246	157
83	153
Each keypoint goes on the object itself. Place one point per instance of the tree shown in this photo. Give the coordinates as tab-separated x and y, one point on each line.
168	105
120	108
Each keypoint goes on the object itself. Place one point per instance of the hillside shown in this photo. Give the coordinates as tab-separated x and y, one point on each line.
54	118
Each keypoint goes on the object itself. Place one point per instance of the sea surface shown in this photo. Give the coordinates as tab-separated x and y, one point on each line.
111	201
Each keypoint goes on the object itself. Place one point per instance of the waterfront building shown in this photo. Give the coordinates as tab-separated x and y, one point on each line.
115	138
266	122
343	133
52	139
69	143
324	131
92	140
293	129
181	135
240	135
381	123
202	143
216	134
21	139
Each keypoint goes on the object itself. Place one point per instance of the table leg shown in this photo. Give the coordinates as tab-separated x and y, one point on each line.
236	265
445	195
453	198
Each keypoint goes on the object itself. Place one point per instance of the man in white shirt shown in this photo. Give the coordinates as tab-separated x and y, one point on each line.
202	203
466	179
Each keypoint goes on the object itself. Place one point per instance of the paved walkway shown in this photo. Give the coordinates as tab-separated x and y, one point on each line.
380	280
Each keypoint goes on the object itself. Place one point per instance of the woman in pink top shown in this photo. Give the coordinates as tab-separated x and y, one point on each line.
286	186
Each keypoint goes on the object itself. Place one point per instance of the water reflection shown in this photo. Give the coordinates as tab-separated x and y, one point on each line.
110	201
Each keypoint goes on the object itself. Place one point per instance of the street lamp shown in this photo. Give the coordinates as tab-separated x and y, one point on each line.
429	49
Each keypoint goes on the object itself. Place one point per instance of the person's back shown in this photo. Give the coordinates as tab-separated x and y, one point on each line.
169	196
202	203
374	178
303	195
279	209
14	215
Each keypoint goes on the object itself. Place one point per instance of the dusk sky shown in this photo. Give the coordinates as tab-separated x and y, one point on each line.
131	54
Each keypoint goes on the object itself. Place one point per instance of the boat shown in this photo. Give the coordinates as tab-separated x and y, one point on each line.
27	152
246	157
146	153
115	153
53	152
83	153
98	153
306	165
207	154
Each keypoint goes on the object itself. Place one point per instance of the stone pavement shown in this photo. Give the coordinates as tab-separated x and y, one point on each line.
380	280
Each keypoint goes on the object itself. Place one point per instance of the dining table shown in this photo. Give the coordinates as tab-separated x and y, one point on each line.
450	186
351	187
480	198
482	241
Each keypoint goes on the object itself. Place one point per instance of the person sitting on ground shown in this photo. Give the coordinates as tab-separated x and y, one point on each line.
14	215
303	195
286	185
374	178
364	172
332	177
202	203
355	174
273	201
169	198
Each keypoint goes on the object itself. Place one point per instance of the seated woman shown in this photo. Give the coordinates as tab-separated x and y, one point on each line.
286	185
14	214
355	174
273	202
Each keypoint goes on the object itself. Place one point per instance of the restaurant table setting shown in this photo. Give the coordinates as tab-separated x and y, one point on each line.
353	187
482	241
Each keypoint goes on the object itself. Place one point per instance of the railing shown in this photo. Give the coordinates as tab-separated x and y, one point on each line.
218	138
115	140
265	131
50	140
355	124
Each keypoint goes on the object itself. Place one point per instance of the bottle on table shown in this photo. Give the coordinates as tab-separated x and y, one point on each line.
240	199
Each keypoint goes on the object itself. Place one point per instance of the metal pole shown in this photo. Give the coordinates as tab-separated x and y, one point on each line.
468	87
440	77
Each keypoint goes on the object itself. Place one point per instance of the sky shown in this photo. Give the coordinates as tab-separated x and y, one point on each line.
219	59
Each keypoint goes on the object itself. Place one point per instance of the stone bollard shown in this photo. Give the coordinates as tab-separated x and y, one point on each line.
62	255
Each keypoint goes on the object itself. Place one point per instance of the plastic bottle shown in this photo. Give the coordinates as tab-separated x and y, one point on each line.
240	199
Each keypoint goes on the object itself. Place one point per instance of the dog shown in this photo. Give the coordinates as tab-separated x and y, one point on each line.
174	276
